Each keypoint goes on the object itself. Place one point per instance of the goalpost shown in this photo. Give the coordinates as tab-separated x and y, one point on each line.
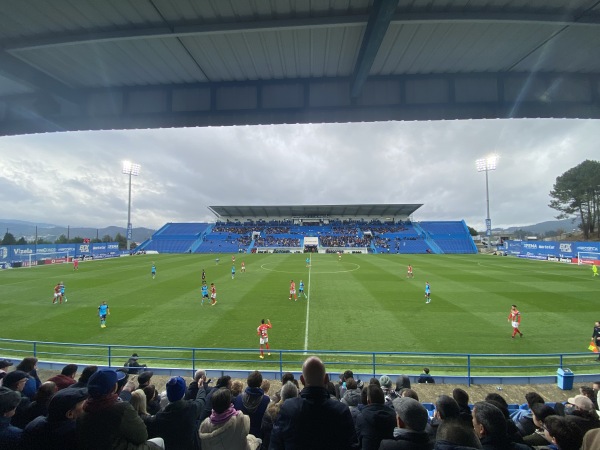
36	259
588	258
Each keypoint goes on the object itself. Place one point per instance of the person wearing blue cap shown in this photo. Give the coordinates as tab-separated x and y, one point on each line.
107	423
177	424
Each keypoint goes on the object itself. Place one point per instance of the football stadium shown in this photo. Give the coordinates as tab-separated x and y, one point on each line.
329	302
363	269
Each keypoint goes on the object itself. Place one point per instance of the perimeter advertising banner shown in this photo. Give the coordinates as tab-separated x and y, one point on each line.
24	253
562	251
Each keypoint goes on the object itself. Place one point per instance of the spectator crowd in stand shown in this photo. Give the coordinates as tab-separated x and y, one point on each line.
106	409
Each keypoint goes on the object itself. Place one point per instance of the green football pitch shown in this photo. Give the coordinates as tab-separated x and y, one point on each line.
358	303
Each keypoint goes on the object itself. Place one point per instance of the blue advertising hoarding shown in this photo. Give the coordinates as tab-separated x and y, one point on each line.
25	253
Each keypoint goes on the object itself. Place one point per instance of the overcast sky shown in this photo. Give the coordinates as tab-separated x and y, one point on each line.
75	178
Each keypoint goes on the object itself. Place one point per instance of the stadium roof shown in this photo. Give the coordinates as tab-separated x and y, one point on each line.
124	64
380	210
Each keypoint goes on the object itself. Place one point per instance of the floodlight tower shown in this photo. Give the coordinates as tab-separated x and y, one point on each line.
130	169
485	165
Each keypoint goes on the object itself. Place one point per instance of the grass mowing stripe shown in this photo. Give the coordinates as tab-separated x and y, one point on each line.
307	305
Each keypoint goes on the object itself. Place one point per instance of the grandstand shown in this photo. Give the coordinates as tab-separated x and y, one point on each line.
322	228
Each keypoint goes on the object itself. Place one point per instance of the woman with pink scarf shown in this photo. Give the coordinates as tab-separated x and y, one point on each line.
226	428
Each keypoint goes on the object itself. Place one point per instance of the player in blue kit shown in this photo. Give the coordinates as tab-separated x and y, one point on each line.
233	272
153	270
307	262
62	291
103	311
427	292
301	289
204	292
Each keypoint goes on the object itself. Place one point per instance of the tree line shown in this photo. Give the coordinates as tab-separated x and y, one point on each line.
576	194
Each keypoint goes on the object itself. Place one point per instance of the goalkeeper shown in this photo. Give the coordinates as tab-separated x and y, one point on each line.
594	270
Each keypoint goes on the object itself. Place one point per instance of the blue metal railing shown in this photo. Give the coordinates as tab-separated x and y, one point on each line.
451	366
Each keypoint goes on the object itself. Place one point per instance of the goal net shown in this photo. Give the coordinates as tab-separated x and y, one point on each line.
39	259
588	258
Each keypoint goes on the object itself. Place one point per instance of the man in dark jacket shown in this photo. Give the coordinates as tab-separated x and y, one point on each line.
491	427
376	421
454	435
253	402
178	423
57	431
314	420
108	423
411	417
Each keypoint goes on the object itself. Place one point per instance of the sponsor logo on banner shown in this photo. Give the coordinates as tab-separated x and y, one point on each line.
3	252
530	246
566	247
566	260
84	248
113	246
552	258
22	251
546	246
46	250
586	249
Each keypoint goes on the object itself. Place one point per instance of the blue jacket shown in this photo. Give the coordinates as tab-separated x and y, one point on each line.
253	402
10	436
314	421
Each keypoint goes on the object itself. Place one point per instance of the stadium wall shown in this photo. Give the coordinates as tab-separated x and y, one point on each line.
558	251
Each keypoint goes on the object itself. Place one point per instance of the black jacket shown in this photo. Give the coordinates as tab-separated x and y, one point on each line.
43	435
178	423
373	424
313	421
407	440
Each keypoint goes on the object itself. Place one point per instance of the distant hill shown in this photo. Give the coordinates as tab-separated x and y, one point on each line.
543	227
19	228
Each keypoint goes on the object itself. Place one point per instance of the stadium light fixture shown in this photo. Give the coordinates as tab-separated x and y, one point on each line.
130	169
485	165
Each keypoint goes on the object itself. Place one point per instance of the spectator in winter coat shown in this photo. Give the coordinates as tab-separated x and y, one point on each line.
376	421
253	402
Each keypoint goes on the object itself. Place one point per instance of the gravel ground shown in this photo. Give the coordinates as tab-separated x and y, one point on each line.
429	392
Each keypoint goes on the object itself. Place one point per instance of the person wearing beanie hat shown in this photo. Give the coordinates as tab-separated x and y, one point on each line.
10	436
177	423
411	418
386	386
4	364
126	430
175	389
58	429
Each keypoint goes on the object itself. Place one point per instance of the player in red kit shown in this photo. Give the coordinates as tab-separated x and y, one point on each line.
293	290
409	274
213	294
514	317
263	335
57	296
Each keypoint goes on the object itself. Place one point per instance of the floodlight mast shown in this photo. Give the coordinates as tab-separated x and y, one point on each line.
130	169
485	165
